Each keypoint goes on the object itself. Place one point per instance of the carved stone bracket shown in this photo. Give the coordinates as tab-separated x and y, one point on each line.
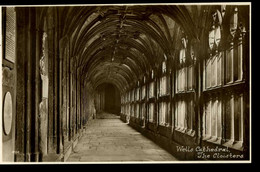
8	77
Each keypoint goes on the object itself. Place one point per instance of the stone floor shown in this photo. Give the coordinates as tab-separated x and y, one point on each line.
105	115
111	140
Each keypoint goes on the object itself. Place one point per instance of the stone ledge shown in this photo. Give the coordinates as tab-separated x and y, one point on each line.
52	157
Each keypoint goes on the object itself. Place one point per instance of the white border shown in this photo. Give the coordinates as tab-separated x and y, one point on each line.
133	4
137	162
1	104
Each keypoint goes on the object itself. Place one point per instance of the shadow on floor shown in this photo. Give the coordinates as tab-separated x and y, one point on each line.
105	115
111	140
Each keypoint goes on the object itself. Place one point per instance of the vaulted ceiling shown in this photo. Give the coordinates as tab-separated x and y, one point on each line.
120	44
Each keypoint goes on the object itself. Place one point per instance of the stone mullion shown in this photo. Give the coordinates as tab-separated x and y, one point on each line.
197	86
232	134
199	104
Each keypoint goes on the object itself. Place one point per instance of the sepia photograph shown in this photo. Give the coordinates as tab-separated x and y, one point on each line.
125	83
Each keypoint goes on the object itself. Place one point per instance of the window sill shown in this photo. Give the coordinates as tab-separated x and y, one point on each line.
180	129
211	139
185	92
233	83
238	145
164	125
164	95
185	131
151	122
229	84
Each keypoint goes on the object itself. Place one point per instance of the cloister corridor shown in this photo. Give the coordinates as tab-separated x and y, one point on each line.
108	139
125	83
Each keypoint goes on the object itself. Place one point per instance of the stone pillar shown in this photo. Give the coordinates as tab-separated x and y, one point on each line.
37	90
51	75
26	85
56	82
29	92
61	115
43	106
20	98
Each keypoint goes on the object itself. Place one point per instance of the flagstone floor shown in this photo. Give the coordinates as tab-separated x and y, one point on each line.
108	139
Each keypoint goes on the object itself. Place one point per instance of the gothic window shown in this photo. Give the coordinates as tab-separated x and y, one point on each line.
164	79
137	110
173	85
129	96
164	66
128	109
190	115
151	86
213	64
162	112
212	118
151	89
224	66
143	92
137	94
151	112
163	90
163	85
143	111
132	109
234	119
133	95
234	54
180	115
184	89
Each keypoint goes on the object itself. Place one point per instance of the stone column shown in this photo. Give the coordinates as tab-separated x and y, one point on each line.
60	119
37	88
43	106
20	98
51	75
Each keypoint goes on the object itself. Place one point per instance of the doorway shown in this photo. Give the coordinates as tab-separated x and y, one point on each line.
108	99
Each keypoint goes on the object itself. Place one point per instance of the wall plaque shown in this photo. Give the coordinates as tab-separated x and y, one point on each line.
8	113
10	34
